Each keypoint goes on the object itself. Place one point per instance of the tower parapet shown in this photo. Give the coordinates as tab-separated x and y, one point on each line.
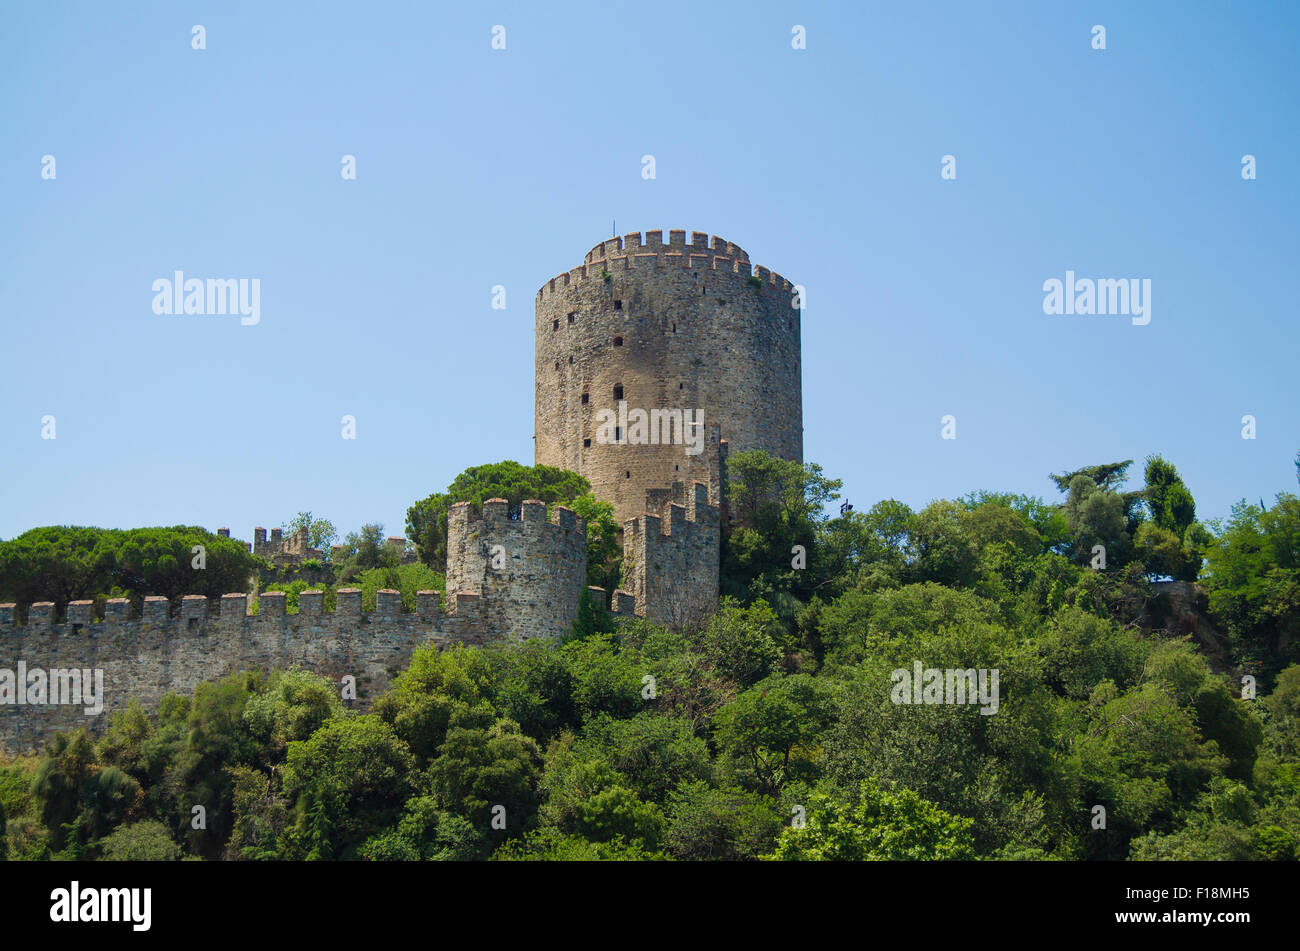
672	561
527	573
678	331
278	549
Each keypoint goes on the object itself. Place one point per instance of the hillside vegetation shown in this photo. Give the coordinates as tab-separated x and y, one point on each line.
771	730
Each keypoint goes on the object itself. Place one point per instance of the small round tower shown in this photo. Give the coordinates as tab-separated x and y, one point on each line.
703	345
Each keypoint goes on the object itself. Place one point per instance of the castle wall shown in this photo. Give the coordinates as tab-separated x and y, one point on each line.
146	657
692	333
534	594
677	327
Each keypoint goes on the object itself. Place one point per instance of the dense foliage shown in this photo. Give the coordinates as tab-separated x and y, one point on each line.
773	729
62	564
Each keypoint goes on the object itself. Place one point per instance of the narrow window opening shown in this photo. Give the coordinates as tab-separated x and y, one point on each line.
618	341
570	359
618	305
618	391
585	398
586	444
674	328
618	434
627	475
572	314
555	325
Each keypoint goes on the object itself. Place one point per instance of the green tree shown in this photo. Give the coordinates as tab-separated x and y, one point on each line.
744	644
549	844
362	551
420	702
882	825
426	520
586	796
292	706
1096	516
719	824
426	833
350	779
771	731
486	762
535	689
56	786
146	841
1171	504
1282	724
651	753
605	679
321	532
943	549
1252	578
774	504
1218	828
1141	756
63	564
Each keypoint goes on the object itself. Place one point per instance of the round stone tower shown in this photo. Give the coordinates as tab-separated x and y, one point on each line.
654	359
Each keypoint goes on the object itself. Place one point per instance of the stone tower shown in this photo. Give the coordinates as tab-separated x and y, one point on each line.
704	346
527	573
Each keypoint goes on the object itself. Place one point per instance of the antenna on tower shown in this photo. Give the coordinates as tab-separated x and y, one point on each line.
613	228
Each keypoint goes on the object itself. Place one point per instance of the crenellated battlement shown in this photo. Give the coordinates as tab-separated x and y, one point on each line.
621	605
507	580
172	650
653	241
277	548
673	559
495	513
527	572
225	612
632	251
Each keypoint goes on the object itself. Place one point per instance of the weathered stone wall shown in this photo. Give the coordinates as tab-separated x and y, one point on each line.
672	562
542	566
146	657
534	594
292	550
676	326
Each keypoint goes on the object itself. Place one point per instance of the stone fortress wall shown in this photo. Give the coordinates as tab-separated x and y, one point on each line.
643	323
534	594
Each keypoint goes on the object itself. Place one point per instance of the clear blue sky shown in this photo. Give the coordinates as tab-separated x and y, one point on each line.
478	167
